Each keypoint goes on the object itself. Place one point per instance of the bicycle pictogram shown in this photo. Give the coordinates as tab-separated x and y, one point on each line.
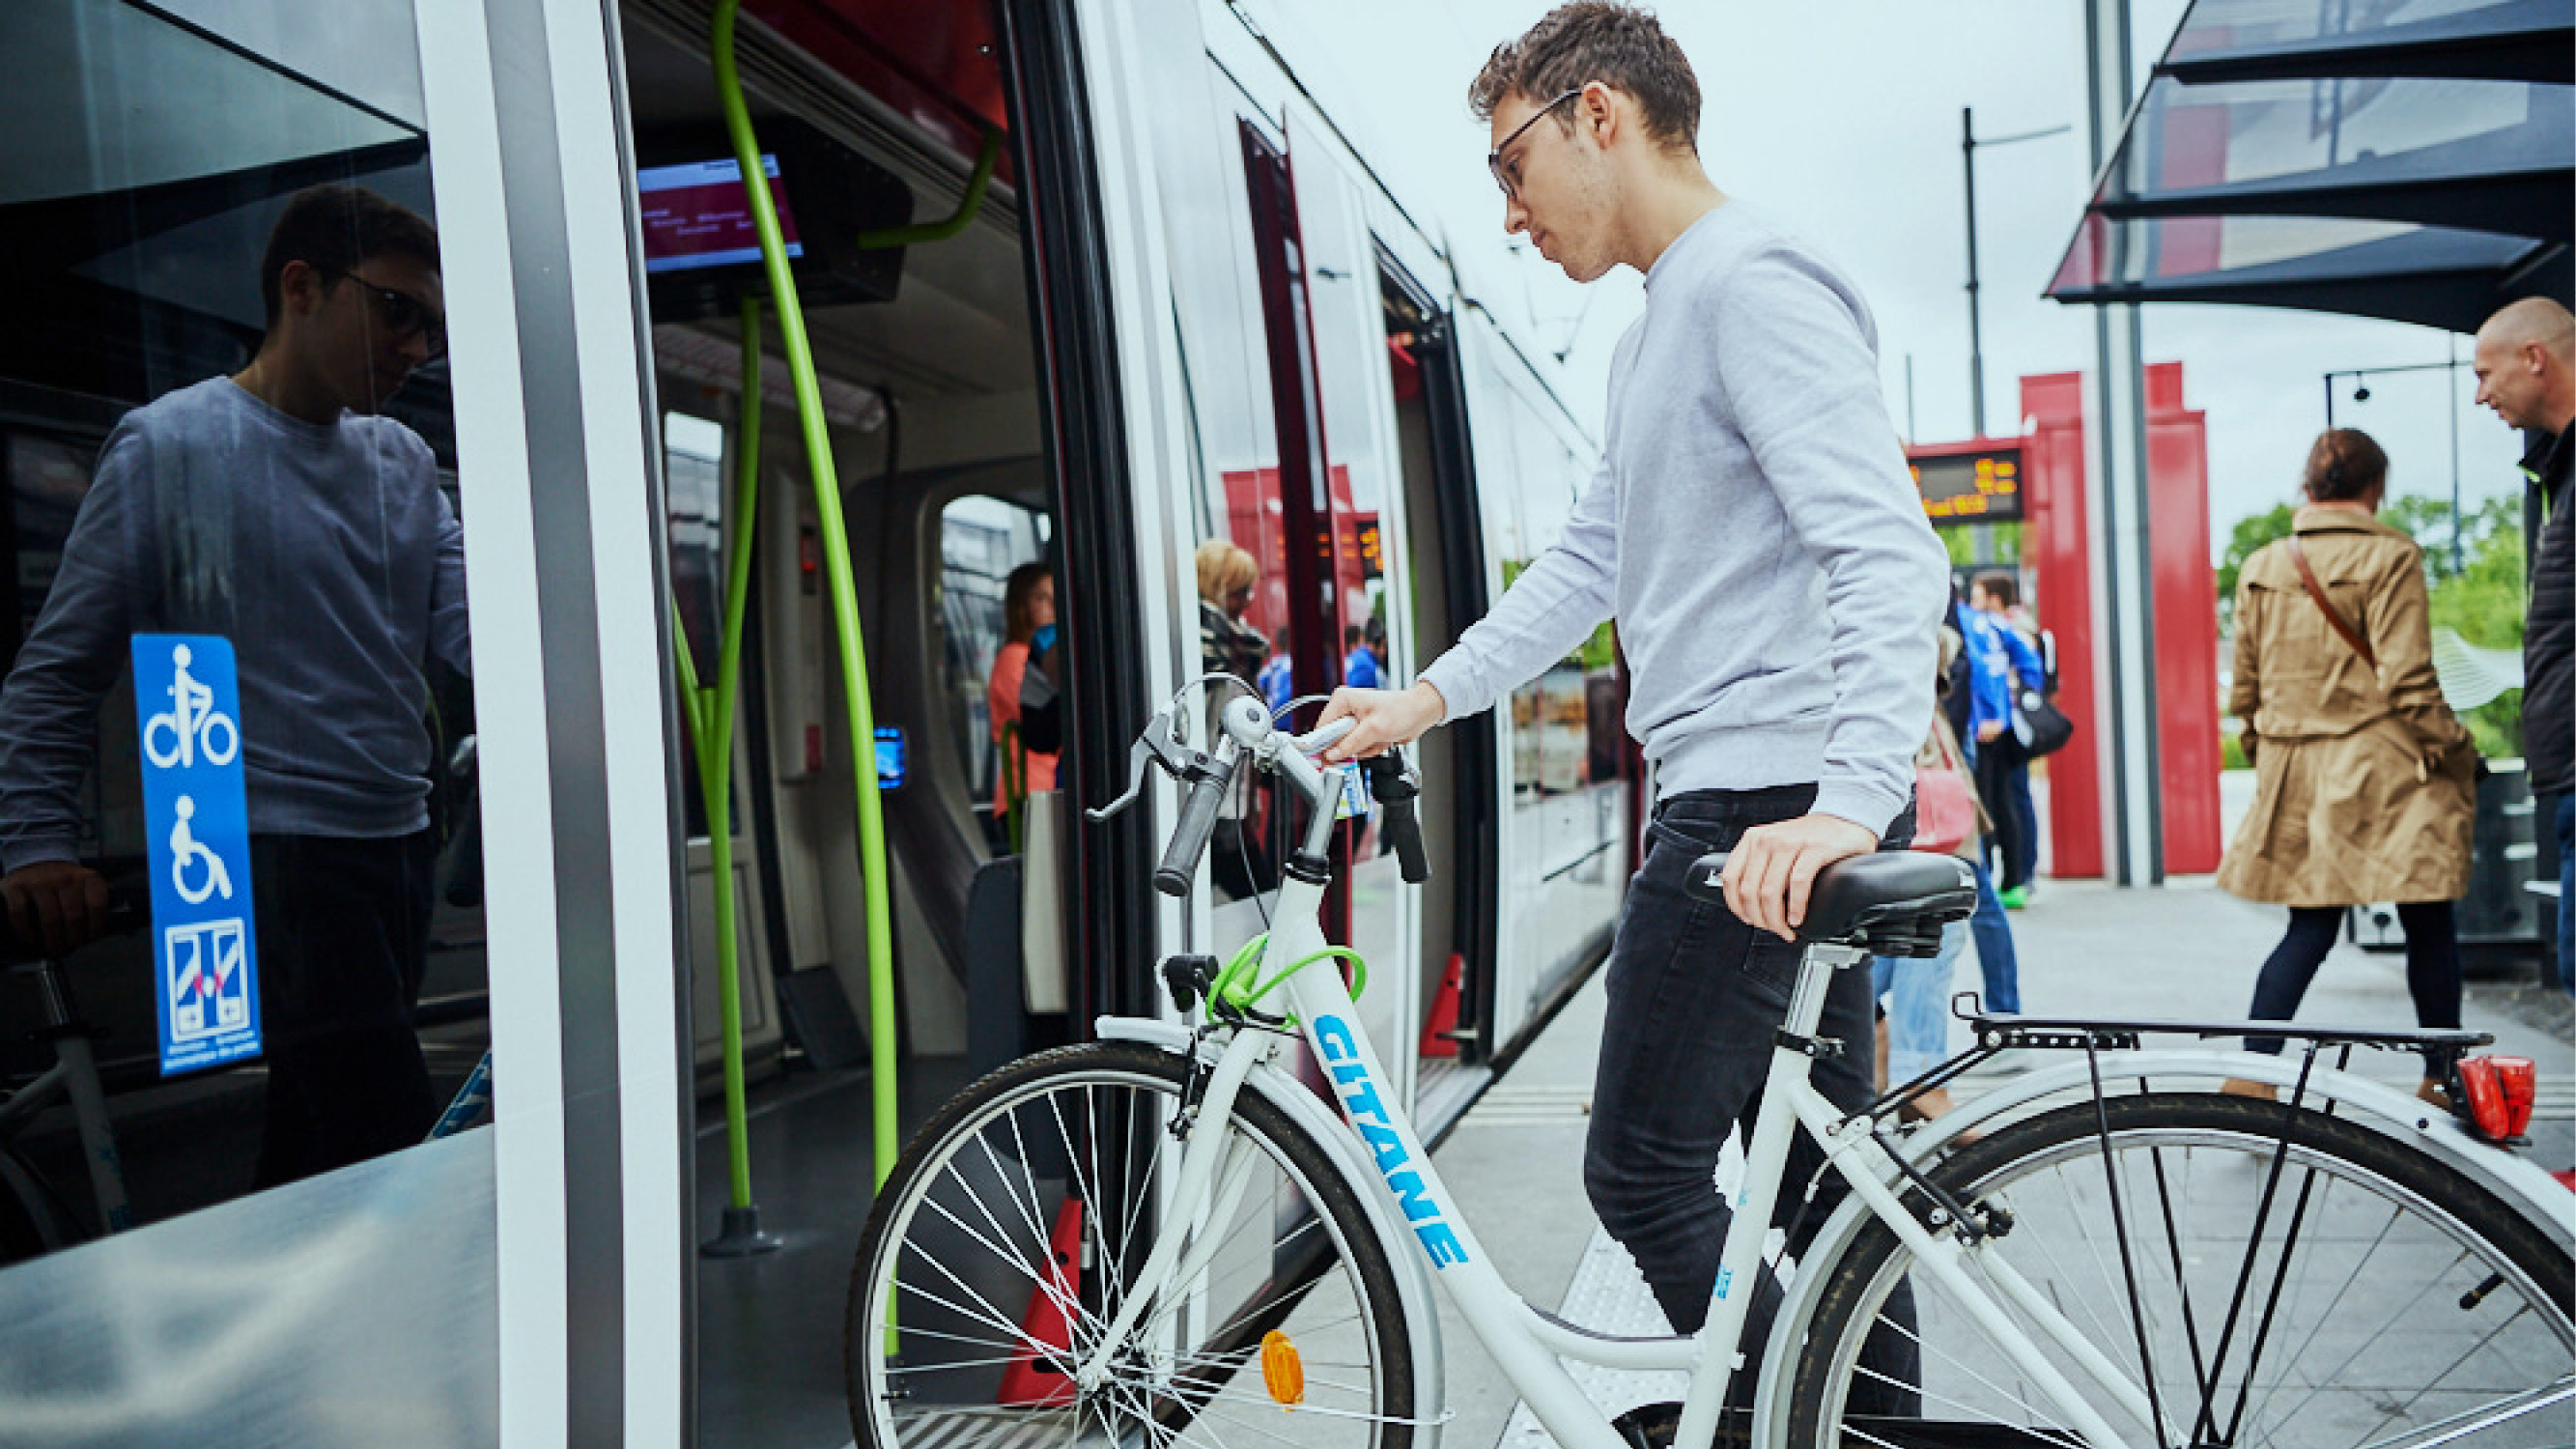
192	727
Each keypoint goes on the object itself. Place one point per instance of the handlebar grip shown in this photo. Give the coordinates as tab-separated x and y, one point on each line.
1396	790
1404	832
1189	841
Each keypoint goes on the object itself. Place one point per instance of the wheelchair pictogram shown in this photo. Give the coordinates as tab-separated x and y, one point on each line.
192	727
193	858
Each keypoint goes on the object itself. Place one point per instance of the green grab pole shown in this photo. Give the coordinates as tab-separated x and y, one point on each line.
844	590
968	206
710	715
715	758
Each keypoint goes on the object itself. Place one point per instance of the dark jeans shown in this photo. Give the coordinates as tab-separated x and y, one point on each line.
343	937
1996	959
1694	995
2564	812
2003	782
2432	965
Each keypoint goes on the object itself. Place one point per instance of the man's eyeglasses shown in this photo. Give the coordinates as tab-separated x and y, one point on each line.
1510	180
406	316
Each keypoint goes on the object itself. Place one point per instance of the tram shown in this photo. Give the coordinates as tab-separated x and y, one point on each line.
1093	286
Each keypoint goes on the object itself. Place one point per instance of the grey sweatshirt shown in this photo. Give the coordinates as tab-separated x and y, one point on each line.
326	554
1755	532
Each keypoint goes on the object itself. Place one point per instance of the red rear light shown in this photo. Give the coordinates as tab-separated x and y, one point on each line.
2500	1091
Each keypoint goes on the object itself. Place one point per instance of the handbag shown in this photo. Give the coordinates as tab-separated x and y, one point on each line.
1945	809
2040	726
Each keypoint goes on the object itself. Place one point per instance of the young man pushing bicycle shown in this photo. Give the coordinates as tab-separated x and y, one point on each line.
1755	533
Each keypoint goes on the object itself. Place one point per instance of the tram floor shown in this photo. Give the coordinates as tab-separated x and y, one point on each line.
770	1369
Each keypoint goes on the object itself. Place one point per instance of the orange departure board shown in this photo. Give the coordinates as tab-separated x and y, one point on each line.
1970	487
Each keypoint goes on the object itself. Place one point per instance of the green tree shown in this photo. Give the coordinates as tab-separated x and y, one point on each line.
2249	536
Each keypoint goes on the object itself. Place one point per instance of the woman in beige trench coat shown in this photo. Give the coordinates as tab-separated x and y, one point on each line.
2364	787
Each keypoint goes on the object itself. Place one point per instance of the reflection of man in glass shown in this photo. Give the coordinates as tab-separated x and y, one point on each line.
276	508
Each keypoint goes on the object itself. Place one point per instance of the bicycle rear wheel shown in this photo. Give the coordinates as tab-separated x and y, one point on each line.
2363	1296
1012	1230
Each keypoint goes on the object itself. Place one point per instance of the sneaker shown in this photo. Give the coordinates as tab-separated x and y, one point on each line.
2014	899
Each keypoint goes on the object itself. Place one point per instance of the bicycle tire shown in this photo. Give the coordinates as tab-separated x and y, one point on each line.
1322	1275
2289	1374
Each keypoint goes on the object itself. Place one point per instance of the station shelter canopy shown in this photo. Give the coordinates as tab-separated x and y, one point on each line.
2404	159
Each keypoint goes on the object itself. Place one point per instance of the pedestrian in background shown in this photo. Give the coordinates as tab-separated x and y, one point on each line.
1915	991
1997	959
2363	777
2000	662
2526	366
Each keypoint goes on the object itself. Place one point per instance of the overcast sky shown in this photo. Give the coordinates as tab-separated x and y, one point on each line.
1842	117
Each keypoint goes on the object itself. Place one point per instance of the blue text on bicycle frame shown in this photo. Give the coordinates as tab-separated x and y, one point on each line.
1360	1099
205	948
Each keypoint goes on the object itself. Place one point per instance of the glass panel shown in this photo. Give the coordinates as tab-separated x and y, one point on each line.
2343	132
992	616
237	733
2219	27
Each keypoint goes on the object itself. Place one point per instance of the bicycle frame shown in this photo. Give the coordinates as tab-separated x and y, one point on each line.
74	1075
1525	1342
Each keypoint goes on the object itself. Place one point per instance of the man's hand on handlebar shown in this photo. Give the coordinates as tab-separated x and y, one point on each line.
55	906
1386	717
1771	870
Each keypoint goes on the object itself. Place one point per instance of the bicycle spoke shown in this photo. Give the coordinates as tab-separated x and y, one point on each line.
2398	1411
2395	1212
2469	1421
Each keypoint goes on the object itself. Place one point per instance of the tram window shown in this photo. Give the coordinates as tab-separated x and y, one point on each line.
693	459
992	557
239	703
1566	724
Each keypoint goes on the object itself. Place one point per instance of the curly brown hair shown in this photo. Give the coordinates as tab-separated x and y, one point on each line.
1590	40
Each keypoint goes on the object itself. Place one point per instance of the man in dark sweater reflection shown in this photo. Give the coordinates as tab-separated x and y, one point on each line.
276	508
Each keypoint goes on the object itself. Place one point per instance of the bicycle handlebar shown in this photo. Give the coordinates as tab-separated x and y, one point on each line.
1208	778
129	908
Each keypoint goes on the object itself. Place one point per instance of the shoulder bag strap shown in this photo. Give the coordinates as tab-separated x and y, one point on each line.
2317	591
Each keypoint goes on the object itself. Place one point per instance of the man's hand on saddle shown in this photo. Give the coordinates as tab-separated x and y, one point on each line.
1772	869
55	906
1386	717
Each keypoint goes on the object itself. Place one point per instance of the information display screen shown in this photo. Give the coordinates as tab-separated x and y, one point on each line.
697	215
1978	487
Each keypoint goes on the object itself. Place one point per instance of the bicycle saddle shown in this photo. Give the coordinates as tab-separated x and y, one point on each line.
1893	902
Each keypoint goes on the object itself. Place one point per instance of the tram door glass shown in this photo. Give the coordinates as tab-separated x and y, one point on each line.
995	592
231	470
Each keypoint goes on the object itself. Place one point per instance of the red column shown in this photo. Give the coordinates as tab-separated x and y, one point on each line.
2186	604
2054	546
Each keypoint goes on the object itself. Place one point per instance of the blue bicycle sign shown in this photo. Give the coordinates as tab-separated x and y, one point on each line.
206	943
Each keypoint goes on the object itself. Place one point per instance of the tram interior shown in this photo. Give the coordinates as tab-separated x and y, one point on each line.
935	432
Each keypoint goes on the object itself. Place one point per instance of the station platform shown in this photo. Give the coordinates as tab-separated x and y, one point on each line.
1515	1161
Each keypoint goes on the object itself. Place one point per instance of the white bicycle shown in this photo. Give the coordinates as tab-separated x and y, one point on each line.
1171	1236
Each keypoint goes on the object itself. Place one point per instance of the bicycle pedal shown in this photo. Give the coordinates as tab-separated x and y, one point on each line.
1653	1426
1649	1426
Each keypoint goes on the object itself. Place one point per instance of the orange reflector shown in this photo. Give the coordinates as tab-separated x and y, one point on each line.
1281	1370
2500	1092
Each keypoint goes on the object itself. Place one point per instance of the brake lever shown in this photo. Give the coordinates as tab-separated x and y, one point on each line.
1156	746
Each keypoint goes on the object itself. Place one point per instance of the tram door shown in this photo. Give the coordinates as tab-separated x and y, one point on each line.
1364	523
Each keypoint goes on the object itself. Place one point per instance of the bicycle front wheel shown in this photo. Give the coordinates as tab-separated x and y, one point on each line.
2335	1291
1016	1226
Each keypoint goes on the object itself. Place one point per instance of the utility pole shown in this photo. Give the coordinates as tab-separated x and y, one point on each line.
1968	144
1976	342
